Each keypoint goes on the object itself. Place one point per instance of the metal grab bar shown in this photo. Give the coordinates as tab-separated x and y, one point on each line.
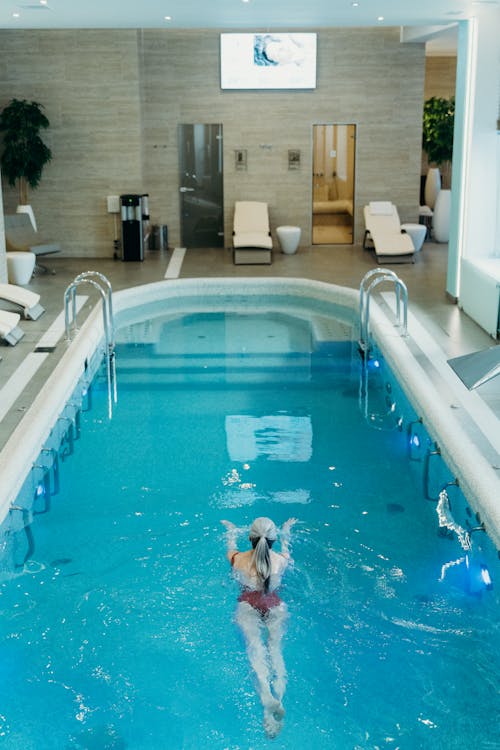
99	278
101	283
384	416
27	530
381	275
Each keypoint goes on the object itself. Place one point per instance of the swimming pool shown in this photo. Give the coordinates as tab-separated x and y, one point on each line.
124	628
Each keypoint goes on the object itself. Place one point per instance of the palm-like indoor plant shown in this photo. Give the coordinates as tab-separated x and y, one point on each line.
437	142
24	154
437	135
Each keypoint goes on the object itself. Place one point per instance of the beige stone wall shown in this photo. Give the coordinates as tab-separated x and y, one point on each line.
88	82
440	81
365	77
115	99
440	77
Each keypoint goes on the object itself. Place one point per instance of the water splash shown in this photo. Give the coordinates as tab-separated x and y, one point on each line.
446	520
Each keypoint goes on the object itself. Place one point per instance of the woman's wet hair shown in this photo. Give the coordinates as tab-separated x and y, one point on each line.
263	534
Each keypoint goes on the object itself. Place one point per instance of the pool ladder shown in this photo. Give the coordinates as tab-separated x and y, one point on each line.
370	281
101	283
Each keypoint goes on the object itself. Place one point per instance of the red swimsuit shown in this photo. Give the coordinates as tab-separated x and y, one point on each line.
262	601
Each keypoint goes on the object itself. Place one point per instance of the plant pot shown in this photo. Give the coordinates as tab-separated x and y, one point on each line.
441	219
432	186
27	209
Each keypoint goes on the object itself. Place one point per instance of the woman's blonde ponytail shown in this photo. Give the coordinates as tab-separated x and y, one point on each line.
263	533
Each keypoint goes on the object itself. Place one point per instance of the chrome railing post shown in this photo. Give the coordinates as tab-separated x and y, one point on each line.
376	276
101	283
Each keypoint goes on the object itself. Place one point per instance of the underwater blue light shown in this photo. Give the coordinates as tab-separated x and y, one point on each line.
376	363
478	576
415	441
40	490
485	575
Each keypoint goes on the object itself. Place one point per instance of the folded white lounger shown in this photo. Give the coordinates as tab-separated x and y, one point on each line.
9	330
383	229
29	301
252	241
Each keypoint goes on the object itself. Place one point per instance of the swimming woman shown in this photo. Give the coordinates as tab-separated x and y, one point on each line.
259	571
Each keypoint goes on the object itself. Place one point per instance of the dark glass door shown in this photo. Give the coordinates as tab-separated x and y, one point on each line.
200	185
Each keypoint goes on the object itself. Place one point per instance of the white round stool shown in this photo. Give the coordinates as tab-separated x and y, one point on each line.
289	238
417	233
20	267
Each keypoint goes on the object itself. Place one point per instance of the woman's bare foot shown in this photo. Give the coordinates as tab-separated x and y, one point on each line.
272	725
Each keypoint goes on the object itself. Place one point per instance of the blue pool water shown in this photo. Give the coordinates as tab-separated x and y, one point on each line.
118	632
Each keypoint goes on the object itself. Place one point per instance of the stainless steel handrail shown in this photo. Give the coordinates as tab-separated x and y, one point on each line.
381	275
103	286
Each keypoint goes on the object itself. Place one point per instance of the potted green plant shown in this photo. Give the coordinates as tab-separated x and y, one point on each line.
437	134
24	154
437	142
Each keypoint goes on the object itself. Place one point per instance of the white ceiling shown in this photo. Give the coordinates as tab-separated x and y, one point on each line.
233	14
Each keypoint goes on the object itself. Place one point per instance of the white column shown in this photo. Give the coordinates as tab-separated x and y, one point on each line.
475	193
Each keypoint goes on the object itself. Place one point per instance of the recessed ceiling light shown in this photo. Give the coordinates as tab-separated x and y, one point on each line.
168	18
355	4
16	15
43	2
380	18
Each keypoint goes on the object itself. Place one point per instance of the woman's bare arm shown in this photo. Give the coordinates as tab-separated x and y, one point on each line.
232	532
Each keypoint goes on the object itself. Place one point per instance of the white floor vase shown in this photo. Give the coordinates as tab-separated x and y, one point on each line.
432	186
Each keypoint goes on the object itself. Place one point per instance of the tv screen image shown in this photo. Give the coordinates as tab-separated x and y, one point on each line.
268	61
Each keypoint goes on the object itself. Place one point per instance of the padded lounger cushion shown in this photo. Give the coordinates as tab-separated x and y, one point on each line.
251	225
382	222
29	301
253	239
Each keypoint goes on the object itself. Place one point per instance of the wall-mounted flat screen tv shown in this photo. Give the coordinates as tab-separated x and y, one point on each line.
268	61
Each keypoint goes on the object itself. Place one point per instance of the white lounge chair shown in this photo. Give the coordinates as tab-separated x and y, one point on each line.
384	232
21	237
29	301
9	330
252	241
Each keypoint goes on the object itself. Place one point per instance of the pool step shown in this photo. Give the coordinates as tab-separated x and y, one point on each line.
135	367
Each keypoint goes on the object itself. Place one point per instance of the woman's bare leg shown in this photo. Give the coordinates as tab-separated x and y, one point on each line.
250	623
275	621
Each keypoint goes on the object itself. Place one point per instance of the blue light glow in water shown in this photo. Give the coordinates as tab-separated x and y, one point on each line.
120	632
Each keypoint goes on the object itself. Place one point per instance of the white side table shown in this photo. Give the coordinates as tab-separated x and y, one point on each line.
417	233
20	267
289	238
